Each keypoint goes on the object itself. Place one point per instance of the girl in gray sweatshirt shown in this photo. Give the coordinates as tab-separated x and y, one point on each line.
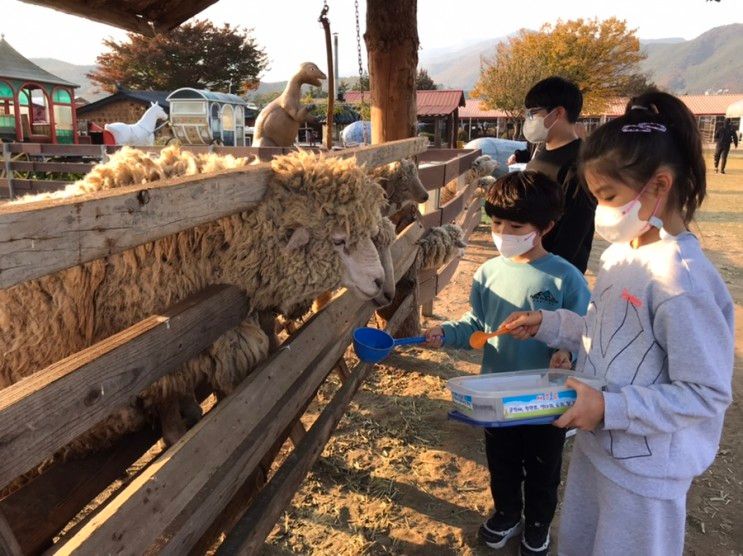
659	330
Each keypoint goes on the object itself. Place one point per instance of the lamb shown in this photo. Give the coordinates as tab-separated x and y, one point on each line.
401	184
482	166
439	246
312	231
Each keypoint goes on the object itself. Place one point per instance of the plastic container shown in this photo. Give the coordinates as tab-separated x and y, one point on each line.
516	398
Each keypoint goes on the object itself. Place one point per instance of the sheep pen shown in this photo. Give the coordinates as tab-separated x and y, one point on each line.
313	230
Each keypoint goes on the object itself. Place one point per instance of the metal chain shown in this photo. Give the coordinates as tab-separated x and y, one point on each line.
361	67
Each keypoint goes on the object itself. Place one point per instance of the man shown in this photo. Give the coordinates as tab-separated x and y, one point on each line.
724	136
552	109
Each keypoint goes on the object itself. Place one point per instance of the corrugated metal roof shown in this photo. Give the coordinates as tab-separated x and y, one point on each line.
188	92
429	103
145	97
13	65
472	110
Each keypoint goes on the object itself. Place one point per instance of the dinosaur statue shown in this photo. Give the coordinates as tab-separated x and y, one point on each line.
278	123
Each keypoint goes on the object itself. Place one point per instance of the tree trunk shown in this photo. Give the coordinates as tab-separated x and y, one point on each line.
392	43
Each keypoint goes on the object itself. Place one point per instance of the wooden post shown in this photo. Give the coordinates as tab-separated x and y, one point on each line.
8	171
392	43
437	132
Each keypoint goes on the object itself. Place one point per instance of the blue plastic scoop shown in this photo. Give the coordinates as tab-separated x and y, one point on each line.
372	345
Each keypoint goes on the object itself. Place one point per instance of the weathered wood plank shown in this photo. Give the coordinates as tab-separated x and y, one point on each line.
249	533
46	236
170	505
24	186
33	166
8	544
38	511
432	177
431	219
42	413
454	207
427	290
58	150
446	274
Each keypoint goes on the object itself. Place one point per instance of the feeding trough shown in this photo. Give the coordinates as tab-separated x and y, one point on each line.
372	345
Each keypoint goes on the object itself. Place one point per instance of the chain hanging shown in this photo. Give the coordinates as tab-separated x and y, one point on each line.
361	68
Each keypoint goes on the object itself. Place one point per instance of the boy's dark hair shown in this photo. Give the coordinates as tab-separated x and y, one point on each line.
656	129
527	197
553	92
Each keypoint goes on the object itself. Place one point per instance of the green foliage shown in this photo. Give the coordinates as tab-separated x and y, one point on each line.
423	81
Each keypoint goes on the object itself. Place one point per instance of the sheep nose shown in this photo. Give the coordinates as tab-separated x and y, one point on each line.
425	198
379	283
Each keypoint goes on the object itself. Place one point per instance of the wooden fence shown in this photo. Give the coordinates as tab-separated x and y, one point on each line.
216	478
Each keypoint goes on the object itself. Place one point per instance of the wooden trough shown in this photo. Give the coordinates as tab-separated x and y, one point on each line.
217	479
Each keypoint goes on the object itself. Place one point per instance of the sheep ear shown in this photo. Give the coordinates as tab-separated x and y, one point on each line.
300	237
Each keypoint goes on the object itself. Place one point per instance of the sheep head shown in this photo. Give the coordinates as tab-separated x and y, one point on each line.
401	184
484	166
329	211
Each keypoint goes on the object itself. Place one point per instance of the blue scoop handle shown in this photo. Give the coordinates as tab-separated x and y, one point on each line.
407	341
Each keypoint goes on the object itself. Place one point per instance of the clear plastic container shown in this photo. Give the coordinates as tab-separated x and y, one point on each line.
516	398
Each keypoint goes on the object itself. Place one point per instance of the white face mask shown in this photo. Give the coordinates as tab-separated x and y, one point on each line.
512	246
534	129
623	224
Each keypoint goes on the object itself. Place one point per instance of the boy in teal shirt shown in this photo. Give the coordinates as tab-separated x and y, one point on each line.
523	206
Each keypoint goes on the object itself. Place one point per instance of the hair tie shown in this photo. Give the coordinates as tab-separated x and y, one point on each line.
644	127
639	107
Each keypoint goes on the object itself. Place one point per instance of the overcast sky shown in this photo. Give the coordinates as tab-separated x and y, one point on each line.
291	34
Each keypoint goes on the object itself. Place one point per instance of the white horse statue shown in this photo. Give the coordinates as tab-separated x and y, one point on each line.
143	132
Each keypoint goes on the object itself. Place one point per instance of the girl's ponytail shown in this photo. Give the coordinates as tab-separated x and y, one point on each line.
656	129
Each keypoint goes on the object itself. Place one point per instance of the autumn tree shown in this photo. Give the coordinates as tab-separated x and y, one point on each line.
423	81
198	54
601	57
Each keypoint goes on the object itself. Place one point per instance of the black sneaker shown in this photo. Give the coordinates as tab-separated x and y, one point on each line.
496	531
536	540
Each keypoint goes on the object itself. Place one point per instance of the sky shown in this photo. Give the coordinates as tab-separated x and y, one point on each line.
291	35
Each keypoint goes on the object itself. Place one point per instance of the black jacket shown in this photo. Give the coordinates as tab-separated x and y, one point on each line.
572	236
726	135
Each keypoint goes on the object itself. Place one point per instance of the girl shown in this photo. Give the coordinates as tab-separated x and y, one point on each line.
659	329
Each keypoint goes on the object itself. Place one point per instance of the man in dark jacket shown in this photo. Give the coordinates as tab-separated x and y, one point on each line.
552	109
724	136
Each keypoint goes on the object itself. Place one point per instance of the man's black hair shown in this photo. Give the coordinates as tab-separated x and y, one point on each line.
527	197
553	92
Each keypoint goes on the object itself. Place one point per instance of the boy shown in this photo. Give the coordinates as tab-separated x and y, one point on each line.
523	207
552	109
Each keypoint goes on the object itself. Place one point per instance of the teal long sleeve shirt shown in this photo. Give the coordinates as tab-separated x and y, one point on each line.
502	286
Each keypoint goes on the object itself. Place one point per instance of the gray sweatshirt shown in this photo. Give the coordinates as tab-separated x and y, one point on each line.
659	329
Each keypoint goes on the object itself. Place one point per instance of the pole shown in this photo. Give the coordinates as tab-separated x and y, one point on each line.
331	82
337	74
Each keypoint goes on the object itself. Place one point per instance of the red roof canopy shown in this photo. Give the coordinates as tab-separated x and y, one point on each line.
429	103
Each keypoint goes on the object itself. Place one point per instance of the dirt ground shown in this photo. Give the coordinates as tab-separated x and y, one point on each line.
397	477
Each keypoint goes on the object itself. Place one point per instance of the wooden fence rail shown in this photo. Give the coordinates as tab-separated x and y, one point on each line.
178	501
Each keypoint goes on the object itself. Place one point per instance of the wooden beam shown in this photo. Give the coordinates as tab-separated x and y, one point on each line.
172	503
8	544
249	533
66	167
42	237
39	511
45	411
104	12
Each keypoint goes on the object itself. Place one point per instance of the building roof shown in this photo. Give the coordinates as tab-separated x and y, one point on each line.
145	97
13	65
473	110
708	105
141	16
429	103
189	93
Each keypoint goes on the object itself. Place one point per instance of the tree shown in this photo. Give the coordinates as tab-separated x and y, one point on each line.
198	54
361	84
423	81
601	57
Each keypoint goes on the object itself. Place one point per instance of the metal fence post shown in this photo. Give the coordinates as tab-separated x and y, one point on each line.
8	171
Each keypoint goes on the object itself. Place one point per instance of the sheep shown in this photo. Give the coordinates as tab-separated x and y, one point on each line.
482	166
401	184
439	246
312	231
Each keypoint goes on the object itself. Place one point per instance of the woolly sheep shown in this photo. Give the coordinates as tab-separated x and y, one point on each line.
483	166
440	245
401	184
312	231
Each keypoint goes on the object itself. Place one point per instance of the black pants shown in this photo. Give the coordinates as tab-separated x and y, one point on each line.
529	453
721	156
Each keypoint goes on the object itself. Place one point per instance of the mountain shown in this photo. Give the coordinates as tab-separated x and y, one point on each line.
73	73
712	61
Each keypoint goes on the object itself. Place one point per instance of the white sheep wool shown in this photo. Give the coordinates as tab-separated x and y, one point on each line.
47	319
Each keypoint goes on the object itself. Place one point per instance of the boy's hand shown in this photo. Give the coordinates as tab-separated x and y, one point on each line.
588	410
523	324
561	359
434	337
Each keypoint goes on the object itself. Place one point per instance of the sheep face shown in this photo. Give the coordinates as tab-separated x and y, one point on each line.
362	271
